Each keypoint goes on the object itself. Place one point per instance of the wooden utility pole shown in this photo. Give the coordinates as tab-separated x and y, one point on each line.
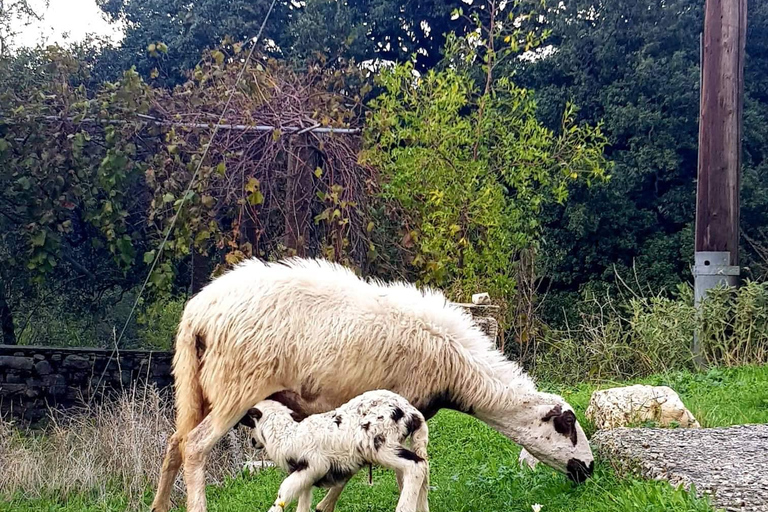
717	191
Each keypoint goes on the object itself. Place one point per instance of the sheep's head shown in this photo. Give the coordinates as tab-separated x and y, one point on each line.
548	429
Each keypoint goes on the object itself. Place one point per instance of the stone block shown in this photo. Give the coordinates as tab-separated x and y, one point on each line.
16	363
43	368
76	362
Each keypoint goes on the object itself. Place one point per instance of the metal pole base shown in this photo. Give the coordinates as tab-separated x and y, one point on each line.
712	269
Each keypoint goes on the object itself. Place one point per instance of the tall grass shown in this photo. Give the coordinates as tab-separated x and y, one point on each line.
648	335
118	444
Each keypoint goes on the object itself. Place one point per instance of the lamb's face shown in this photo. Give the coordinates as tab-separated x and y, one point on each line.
554	436
251	419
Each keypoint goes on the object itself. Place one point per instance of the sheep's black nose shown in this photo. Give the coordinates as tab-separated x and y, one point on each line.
578	471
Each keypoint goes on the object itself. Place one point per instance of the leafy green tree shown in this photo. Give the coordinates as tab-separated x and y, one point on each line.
635	66
15	14
471	167
316	29
165	38
70	179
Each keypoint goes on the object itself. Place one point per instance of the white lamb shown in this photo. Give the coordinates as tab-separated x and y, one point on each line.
326	450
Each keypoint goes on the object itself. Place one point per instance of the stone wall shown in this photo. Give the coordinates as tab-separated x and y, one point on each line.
32	379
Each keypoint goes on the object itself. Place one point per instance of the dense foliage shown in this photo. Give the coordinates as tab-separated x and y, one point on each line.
472	172
635	67
93	178
471	143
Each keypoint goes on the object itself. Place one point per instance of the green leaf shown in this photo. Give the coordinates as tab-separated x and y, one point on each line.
252	185
149	257
168	197
255	198
38	239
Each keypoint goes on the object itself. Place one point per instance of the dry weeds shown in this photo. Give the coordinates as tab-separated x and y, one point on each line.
118	443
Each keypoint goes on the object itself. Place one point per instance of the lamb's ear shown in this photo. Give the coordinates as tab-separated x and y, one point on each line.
251	417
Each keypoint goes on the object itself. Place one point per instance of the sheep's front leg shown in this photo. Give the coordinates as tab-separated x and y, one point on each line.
298	483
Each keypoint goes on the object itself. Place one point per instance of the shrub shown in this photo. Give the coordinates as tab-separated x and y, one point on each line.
647	335
158	323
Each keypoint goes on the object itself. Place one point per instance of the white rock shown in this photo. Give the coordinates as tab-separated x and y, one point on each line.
481	299
621	407
253	466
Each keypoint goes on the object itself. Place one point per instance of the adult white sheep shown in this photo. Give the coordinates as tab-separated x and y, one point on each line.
316	329
326	450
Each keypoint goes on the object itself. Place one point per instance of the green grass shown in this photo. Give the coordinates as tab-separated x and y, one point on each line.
473	468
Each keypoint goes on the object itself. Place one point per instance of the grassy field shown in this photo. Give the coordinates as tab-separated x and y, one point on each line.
473	468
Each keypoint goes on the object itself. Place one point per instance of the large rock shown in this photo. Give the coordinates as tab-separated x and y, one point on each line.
633	405
729	464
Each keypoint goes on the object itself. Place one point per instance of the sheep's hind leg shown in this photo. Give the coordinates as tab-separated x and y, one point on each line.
199	443
171	465
328	503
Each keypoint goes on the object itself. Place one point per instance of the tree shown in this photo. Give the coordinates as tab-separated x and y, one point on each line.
13	14
329	30
633	65
471	167
70	191
183	30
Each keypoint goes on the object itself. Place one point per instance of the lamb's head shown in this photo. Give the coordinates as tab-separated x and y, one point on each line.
259	416
548	429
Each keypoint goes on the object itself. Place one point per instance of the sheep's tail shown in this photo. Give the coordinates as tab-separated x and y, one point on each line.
186	373
420	439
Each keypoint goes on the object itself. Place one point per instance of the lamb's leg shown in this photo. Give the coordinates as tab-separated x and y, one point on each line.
423	501
297	483
399	478
422	504
171	465
414	470
328	503
305	501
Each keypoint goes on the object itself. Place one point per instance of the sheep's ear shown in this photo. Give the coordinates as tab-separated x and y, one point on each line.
554	413
564	422
251	417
